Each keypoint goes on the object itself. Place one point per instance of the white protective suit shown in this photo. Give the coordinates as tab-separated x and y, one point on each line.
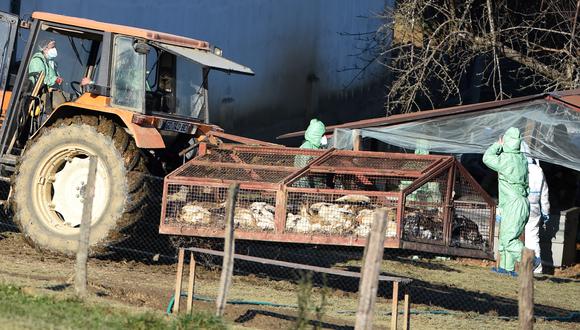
539	207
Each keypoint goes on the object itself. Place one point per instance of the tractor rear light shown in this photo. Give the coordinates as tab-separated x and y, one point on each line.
142	120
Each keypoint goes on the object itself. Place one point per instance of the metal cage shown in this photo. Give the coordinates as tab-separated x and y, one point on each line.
329	197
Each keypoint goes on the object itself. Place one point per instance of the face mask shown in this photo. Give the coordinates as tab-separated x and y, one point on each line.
323	140
51	53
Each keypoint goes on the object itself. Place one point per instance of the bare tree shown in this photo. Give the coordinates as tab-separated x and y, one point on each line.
434	49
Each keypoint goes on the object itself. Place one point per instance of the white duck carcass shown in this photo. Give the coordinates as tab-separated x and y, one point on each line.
195	214
365	219
297	223
244	218
333	217
362	231
362	199
391	228
264	215
180	195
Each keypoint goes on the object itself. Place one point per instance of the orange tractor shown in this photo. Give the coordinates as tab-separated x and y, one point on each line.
136	99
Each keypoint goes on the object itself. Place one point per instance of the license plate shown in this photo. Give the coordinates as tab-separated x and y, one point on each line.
176	126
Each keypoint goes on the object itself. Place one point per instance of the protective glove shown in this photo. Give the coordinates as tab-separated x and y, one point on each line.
545	218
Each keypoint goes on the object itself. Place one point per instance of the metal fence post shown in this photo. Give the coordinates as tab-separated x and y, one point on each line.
228	261
369	283
85	231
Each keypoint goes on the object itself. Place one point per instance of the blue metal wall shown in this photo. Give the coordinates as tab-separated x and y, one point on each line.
296	47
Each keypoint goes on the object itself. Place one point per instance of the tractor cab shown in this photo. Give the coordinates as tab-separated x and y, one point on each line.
150	81
134	99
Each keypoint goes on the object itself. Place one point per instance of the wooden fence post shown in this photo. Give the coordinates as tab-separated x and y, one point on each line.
178	281
191	282
369	283
406	310
526	294
395	306
85	230
228	261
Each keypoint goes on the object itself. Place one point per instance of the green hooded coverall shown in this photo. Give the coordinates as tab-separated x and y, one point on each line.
512	168
38	63
312	137
313	134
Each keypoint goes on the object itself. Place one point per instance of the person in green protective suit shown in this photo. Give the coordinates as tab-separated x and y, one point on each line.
314	135
505	158
43	61
313	139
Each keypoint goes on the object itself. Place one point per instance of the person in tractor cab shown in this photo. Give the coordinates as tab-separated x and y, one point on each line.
43	61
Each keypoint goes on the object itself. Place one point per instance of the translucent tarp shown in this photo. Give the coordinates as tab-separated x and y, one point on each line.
551	129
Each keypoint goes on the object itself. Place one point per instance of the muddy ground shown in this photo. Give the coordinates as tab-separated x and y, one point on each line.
446	293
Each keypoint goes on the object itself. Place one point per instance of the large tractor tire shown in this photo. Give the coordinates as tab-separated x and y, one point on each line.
50	180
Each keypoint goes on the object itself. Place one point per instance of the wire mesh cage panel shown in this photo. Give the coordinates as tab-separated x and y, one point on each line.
327	213
257	156
473	214
348	181
378	161
425	211
198	205
329	197
224	172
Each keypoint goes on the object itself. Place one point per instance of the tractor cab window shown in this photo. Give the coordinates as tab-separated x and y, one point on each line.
190	91
160	82
128	87
174	85
64	57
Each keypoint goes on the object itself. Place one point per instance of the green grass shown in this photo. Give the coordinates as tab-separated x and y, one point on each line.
23	311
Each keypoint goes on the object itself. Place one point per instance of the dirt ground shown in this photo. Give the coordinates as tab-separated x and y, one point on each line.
147	286
439	283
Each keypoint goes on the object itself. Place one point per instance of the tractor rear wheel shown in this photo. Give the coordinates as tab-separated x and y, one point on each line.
49	183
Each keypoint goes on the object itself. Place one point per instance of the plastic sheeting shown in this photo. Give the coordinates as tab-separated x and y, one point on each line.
341	139
551	129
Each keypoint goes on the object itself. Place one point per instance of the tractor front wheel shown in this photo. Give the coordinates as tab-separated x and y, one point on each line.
49	184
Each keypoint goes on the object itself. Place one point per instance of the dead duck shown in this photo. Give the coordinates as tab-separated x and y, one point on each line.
195	214
297	223
354	198
244	218
417	224
264	215
364	220
465	231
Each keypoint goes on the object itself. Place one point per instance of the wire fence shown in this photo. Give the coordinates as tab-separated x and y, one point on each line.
444	286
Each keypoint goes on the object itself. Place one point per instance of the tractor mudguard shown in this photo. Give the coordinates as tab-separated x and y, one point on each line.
145	137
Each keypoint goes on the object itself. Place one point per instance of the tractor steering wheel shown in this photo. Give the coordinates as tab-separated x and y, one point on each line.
77	89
